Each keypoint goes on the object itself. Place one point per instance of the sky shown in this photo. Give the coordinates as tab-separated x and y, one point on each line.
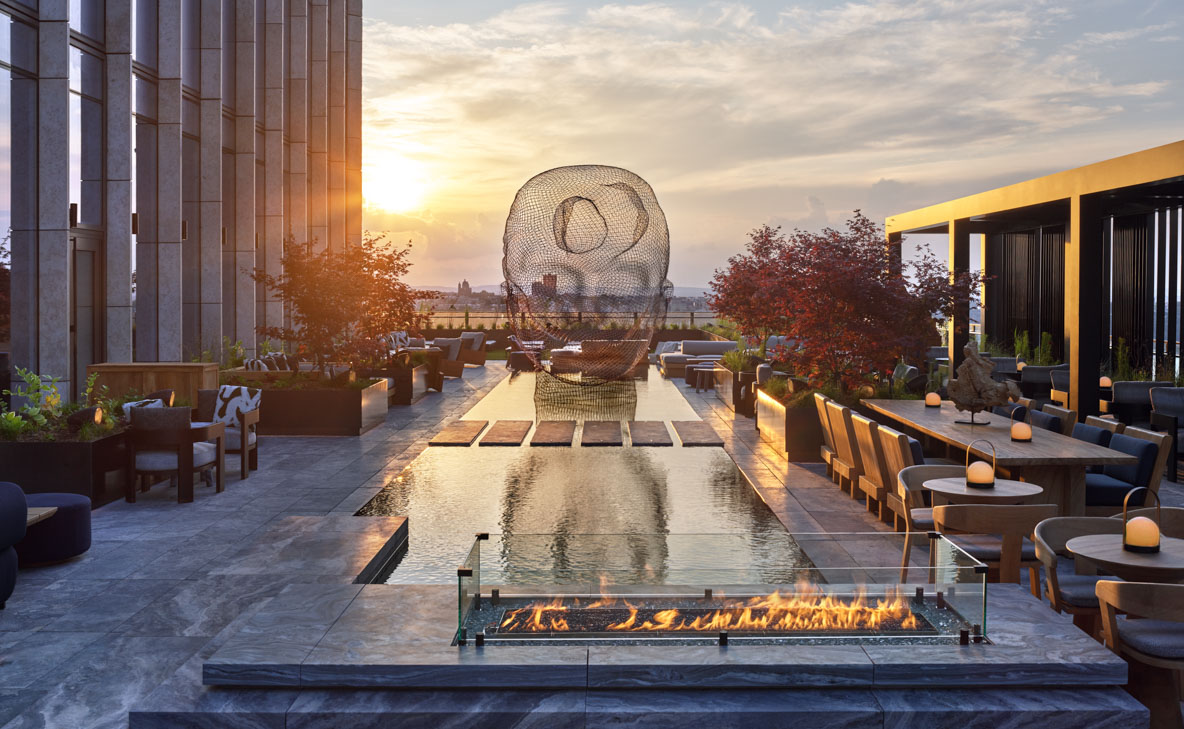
741	114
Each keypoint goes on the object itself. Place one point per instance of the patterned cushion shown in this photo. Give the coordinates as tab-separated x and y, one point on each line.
257	365
233	401
234	438
127	406
203	454
1159	638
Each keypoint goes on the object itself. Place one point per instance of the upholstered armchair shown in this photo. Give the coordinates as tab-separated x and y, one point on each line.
163	442
473	348
1167	411
451	365
13	510
237	408
1131	401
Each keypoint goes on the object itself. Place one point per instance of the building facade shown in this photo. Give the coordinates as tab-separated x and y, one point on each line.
159	151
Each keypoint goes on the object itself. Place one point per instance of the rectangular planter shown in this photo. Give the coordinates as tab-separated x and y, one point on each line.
338	411
734	389
72	467
405	384
793	432
183	378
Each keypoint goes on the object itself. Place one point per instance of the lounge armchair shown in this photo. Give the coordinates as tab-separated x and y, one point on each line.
664	348
238	409
473	349
451	365
673	364
13	510
1131	401
163	442
1059	393
1036	382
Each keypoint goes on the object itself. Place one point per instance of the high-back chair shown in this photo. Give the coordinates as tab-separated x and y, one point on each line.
1036	382
1067	591
910	492
1041	419
847	464
1163	445
1011	411
1171	519
1131	400
1167	415
873	483
1105	491
828	439
1153	645
1114	425
1059	395
162	442
996	534
1068	417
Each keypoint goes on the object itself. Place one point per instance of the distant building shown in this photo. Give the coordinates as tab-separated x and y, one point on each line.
464	289
549	286
551	281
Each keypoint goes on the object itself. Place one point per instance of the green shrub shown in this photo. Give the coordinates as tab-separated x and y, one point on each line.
777	387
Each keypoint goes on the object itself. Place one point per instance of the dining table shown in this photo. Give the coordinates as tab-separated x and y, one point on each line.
1053	461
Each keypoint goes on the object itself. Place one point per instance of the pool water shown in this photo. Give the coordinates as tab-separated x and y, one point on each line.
658	495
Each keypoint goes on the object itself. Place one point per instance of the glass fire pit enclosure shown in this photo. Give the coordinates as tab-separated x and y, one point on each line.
575	589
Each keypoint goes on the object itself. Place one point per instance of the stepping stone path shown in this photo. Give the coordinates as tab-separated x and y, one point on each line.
602	433
696	433
554	433
460	433
507	433
649	433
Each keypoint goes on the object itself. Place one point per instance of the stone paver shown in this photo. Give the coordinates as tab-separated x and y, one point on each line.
649	433
554	433
507	433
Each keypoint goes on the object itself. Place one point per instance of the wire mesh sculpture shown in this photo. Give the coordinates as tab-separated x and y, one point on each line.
585	257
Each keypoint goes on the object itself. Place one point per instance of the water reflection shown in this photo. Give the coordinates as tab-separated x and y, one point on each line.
561	398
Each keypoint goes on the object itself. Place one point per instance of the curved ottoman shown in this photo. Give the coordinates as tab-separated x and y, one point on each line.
64	535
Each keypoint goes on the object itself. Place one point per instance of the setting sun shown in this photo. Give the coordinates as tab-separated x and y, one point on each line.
392	182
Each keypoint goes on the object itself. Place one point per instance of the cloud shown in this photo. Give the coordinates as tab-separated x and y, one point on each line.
717	106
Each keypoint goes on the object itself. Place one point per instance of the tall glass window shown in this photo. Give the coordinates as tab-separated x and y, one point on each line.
87	17
18	152
86	136
144	29
191	43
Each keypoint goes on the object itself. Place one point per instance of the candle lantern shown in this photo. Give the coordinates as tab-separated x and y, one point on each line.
1140	533
932	400
1104	381
1020	365
1021	432
980	474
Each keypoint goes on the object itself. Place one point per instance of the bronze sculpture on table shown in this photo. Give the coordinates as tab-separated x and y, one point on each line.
973	390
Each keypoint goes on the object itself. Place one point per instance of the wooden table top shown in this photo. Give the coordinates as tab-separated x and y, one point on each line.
39	513
1005	491
1045	449
1105	550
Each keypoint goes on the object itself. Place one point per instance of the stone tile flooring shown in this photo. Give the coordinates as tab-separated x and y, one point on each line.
165	583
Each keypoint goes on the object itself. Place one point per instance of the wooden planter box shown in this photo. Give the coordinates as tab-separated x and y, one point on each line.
183	378
408	384
337	411
793	432
73	467
734	389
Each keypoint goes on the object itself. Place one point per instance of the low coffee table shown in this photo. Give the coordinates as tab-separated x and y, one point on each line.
39	513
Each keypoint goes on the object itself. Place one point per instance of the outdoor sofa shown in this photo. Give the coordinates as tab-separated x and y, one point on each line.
672	365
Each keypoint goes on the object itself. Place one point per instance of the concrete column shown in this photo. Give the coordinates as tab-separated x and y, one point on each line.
353	122
51	352
893	245
959	261
168	184
118	121
318	121
272	239
337	122
210	184
297	215
244	174
1083	306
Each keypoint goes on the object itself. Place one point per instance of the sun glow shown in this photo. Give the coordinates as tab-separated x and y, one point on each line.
393	182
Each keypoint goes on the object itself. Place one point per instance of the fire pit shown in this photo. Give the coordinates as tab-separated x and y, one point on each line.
824	588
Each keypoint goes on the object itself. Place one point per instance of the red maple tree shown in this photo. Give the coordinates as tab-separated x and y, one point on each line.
836	293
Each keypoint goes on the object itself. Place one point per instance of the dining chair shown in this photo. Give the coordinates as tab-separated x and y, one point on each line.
1111	424
1068	417
910	492
847	464
162	442
828	440
1167	411
1041	419
1171	519
997	535
1152	643
1163	444
1067	591
1105	491
1011	411
873	483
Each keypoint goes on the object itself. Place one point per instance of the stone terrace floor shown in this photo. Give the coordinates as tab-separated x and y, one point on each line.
165	584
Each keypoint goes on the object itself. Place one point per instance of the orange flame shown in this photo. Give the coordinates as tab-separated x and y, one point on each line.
806	609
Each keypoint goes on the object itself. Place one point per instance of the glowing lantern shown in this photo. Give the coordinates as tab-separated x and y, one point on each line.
932	400
1104	381
1141	534
980	474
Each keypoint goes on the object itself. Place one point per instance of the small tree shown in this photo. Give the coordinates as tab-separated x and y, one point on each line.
342	301
746	291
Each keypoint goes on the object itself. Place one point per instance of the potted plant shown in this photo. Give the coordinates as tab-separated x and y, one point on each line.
343	302
734	378
787	419
50	446
406	375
